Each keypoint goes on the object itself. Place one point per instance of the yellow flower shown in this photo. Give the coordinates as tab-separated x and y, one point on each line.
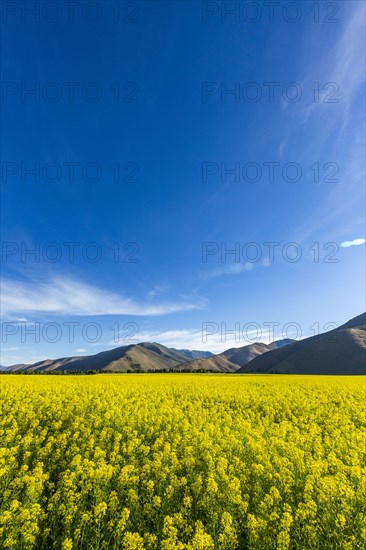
100	509
67	544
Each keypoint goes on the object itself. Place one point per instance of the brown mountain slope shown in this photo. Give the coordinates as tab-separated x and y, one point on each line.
339	351
241	356
140	358
14	368
216	363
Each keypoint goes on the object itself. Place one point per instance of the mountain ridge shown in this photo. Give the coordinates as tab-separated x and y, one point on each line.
148	356
338	351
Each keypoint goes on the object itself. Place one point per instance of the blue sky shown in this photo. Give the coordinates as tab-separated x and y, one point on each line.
134	131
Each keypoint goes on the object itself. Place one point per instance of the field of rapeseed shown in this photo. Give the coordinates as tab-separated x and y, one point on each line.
182	462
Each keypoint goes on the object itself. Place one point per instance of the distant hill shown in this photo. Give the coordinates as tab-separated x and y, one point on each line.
281	343
338	351
232	359
135	357
216	363
193	354
13	368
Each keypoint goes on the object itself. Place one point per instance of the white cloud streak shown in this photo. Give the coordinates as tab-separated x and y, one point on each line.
65	296
355	242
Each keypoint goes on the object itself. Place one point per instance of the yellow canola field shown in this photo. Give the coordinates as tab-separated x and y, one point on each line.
182	462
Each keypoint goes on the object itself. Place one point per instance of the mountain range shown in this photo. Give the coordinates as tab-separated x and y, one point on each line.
142	357
151	356
232	359
338	351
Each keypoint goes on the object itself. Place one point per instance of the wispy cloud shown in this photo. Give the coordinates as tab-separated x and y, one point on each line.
343	66
65	296
232	269
157	291
355	242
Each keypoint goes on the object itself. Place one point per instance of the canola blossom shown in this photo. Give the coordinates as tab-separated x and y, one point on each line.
182	462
